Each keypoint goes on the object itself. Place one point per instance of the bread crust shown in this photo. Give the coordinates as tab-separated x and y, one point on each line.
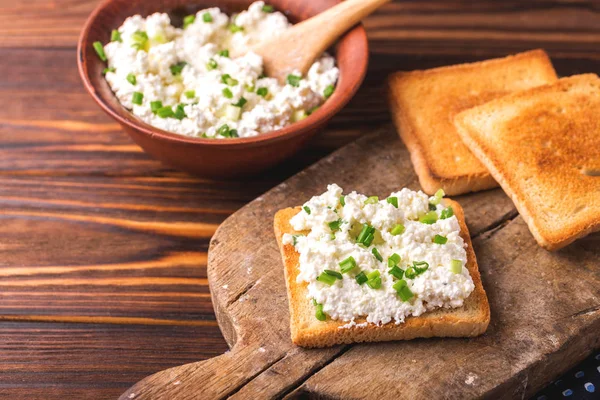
471	319
424	102
569	138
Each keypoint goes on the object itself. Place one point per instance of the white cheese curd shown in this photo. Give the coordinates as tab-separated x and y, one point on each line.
324	248
219	97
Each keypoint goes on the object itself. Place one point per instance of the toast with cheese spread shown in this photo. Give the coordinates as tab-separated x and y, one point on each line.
543	147
313	330
424	103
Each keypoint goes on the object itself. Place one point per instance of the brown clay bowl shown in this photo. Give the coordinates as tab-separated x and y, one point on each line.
208	157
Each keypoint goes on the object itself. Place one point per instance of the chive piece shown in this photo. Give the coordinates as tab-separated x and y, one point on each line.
335	225
233	133
240	103
227	93
447	213
223	130
262	75
366	235
293	80
397	229
438	239
333	273
432	207
361	278
228	80
140	40
372	200
396	272
429	218
328	91
115	36
374	279
326	278
190	94
402	289
177	68
410	273
262	91
456	266
295	239
155	106
204	135
100	50
212	64
437	197
131	78
393	201
420	266
312	110
165	112
224	53
137	98
377	254
306	209
393	260
188	20
206	17
347	265
343	200
250	88
107	70
179	112
268	8
319	314
233	28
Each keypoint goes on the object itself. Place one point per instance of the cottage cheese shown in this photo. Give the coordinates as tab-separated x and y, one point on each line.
199	87
346	300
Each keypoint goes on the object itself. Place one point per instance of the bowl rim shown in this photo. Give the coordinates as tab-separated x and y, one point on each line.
325	112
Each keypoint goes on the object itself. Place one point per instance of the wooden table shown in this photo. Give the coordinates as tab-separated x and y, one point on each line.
103	250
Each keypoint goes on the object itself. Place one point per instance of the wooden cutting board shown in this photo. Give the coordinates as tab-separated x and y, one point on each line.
545	306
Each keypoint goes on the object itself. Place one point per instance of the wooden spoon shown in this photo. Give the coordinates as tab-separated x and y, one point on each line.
297	48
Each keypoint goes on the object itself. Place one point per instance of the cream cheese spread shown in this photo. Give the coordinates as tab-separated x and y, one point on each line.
417	265
183	80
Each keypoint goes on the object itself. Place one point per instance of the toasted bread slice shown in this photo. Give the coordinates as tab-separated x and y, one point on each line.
424	104
471	319
543	147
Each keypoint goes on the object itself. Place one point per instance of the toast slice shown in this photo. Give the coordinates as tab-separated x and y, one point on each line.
543	147
469	320
424	103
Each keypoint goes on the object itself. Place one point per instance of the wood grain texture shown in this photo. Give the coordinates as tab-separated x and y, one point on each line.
89	237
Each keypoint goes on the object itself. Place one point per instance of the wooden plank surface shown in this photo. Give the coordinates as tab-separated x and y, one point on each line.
96	235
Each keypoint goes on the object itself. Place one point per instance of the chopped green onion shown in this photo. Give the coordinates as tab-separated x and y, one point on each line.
397	229
298	115
319	314
227	93
377	254
393	260
437	197
438	239
295	239
393	201
343	200
100	50
212	64
206	17
456	266
240	103
233	133
228	80
224	53
396	272
204	135
402	289
179	112
115	36
374	279
348	265
326	278
137	98
312	110
131	78
432	207
233	28
306	209
333	273
361	278
420	266
190	94
366	235
410	273
262	91
189	19
335	225
232	112
155	106
293	80
328	91
249	88
107	70
223	130
165	112
447	213
372	200
268	8
177	68
140	40
429	218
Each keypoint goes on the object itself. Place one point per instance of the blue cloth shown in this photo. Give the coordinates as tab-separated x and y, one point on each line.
581	383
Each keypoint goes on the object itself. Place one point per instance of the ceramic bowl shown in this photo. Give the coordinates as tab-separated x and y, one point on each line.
212	158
